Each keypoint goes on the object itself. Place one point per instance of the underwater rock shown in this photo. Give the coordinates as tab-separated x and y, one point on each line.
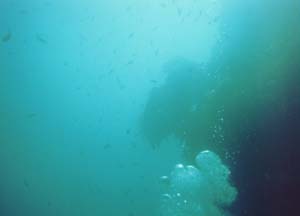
249	72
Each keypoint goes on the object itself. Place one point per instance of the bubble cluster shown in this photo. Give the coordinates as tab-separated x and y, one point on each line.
203	189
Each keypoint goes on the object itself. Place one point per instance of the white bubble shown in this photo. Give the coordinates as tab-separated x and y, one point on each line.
166	196
165	180
200	190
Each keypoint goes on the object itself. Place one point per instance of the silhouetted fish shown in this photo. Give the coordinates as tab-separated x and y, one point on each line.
106	146
41	38
31	115
131	35
26	184
130	62
6	37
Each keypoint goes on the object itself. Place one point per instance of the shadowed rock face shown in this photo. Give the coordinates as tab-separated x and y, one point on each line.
171	106
246	100
249	73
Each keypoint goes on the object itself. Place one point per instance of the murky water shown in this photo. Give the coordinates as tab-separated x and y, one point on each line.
108	107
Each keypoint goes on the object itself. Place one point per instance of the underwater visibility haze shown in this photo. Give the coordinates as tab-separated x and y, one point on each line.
149	108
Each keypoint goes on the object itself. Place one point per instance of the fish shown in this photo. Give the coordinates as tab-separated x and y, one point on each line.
26	184
130	62
31	115
131	35
106	146
6	37
41	38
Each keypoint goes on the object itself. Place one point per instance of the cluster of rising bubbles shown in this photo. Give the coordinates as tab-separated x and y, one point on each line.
200	190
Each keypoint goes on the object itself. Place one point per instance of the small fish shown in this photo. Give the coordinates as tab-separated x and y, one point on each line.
23	12
41	38
179	11
133	145
130	62
31	115
131	35
126	192
135	164
110	71
163	5
26	184
6	37
154	28
106	146
128	8
121	85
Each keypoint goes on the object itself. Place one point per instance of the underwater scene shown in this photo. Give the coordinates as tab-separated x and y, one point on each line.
149	107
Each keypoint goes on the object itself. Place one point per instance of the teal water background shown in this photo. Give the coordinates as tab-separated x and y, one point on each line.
76	76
